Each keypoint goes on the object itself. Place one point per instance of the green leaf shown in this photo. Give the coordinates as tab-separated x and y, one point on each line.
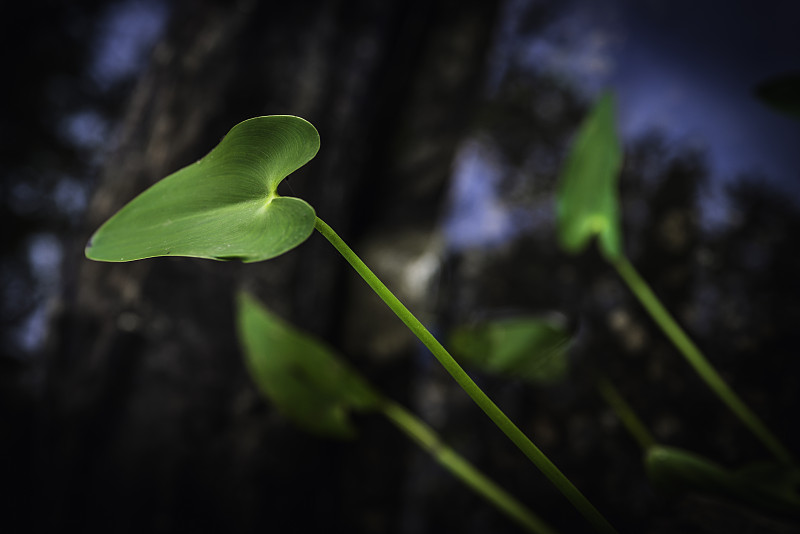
532	349
676	471
587	203
782	93
304	378
774	474
224	206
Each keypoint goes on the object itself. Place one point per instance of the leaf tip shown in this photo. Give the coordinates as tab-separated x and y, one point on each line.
88	250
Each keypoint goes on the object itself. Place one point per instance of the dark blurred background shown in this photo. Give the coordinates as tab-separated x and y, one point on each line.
124	404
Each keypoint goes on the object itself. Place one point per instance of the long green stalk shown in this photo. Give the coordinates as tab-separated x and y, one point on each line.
423	435
696	359
499	418
626	414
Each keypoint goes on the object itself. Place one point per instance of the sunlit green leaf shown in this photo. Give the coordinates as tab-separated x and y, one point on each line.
224	206
782	93
587	204
302	377
676	471
532	349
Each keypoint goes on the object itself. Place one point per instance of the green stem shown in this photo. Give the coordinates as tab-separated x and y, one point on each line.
625	413
462	469
499	418
696	359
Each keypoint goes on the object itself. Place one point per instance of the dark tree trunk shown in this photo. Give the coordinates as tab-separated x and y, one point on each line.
151	423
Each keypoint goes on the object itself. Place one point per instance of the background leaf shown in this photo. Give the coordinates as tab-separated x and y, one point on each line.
532	349
302	377
224	206
587	202
676	471
782	93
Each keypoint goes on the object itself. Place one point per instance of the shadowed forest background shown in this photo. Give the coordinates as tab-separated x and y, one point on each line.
124	402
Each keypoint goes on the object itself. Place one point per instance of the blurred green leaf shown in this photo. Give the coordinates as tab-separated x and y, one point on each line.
224	206
676	471
772	474
303	378
782	93
532	349
587	204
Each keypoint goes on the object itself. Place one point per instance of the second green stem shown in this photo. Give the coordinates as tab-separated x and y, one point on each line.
459	467
696	359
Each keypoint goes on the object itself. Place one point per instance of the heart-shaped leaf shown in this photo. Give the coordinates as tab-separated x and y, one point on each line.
587	204
304	378
529	348
223	207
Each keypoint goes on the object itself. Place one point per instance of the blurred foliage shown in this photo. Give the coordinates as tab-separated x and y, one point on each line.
768	486
729	282
528	348
303	377
781	93
587	203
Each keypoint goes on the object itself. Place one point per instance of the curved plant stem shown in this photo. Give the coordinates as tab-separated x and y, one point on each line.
696	359
462	469
499	418
625	413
